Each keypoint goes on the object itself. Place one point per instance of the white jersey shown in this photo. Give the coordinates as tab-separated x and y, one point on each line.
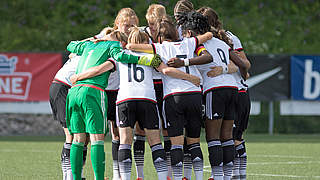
220	54
238	47
235	41
157	75
136	81
67	70
179	29
114	79
184	50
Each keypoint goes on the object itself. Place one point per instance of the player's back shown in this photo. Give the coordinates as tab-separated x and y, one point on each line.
95	54
184	50
136	81
220	54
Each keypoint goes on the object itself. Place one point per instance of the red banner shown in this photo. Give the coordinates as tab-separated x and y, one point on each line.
27	76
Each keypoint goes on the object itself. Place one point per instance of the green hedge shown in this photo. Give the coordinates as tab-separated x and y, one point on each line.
286	26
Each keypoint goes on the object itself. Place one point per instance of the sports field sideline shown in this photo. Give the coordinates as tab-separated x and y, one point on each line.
269	157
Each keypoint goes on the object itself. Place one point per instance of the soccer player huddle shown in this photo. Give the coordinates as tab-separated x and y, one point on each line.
167	79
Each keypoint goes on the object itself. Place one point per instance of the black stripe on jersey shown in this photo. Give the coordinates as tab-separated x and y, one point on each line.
146	31
114	65
197	42
229	33
154	48
243	83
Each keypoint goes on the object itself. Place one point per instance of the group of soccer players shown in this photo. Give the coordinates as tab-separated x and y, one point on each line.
153	81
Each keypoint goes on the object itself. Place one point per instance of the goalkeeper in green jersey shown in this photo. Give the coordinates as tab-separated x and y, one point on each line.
86	104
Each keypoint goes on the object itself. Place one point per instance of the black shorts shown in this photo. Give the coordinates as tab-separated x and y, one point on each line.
183	111
58	94
243	105
112	98
144	112
158	87
220	103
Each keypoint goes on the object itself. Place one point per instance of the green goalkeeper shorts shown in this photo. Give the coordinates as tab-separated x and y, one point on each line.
86	109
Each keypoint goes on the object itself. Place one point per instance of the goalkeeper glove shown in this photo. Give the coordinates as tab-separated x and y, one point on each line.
153	60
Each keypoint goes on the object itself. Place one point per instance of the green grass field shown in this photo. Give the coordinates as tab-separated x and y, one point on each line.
269	157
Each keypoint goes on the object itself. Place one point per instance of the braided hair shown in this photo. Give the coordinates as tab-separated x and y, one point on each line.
195	22
181	8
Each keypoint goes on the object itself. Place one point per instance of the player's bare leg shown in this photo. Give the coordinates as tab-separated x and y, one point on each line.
227	147
177	156
124	155
212	128
138	150
115	148
158	153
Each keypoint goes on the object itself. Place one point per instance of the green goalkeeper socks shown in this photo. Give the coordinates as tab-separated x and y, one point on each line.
98	159
76	153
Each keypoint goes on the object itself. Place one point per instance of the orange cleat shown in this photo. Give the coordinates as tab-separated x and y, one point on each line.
184	178
139	178
168	178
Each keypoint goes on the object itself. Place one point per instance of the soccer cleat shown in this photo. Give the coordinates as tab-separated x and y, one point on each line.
139	178
168	178
184	178
210	179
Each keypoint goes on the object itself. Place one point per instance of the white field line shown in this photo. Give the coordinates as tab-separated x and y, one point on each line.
282	175
269	175
282	156
288	162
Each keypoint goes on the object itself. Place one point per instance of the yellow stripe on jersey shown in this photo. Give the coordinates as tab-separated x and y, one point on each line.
199	50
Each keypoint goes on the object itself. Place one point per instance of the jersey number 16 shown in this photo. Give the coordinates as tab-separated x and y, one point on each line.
135	73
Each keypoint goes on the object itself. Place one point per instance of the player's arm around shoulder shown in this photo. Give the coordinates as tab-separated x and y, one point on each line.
146	48
93	71
244	65
203	57
175	73
77	47
218	70
119	55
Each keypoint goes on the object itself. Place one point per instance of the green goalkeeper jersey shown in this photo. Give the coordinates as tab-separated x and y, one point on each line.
94	54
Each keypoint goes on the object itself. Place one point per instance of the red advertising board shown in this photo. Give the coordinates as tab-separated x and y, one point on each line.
27	76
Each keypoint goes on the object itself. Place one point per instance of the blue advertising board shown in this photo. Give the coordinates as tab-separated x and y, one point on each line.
305	77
